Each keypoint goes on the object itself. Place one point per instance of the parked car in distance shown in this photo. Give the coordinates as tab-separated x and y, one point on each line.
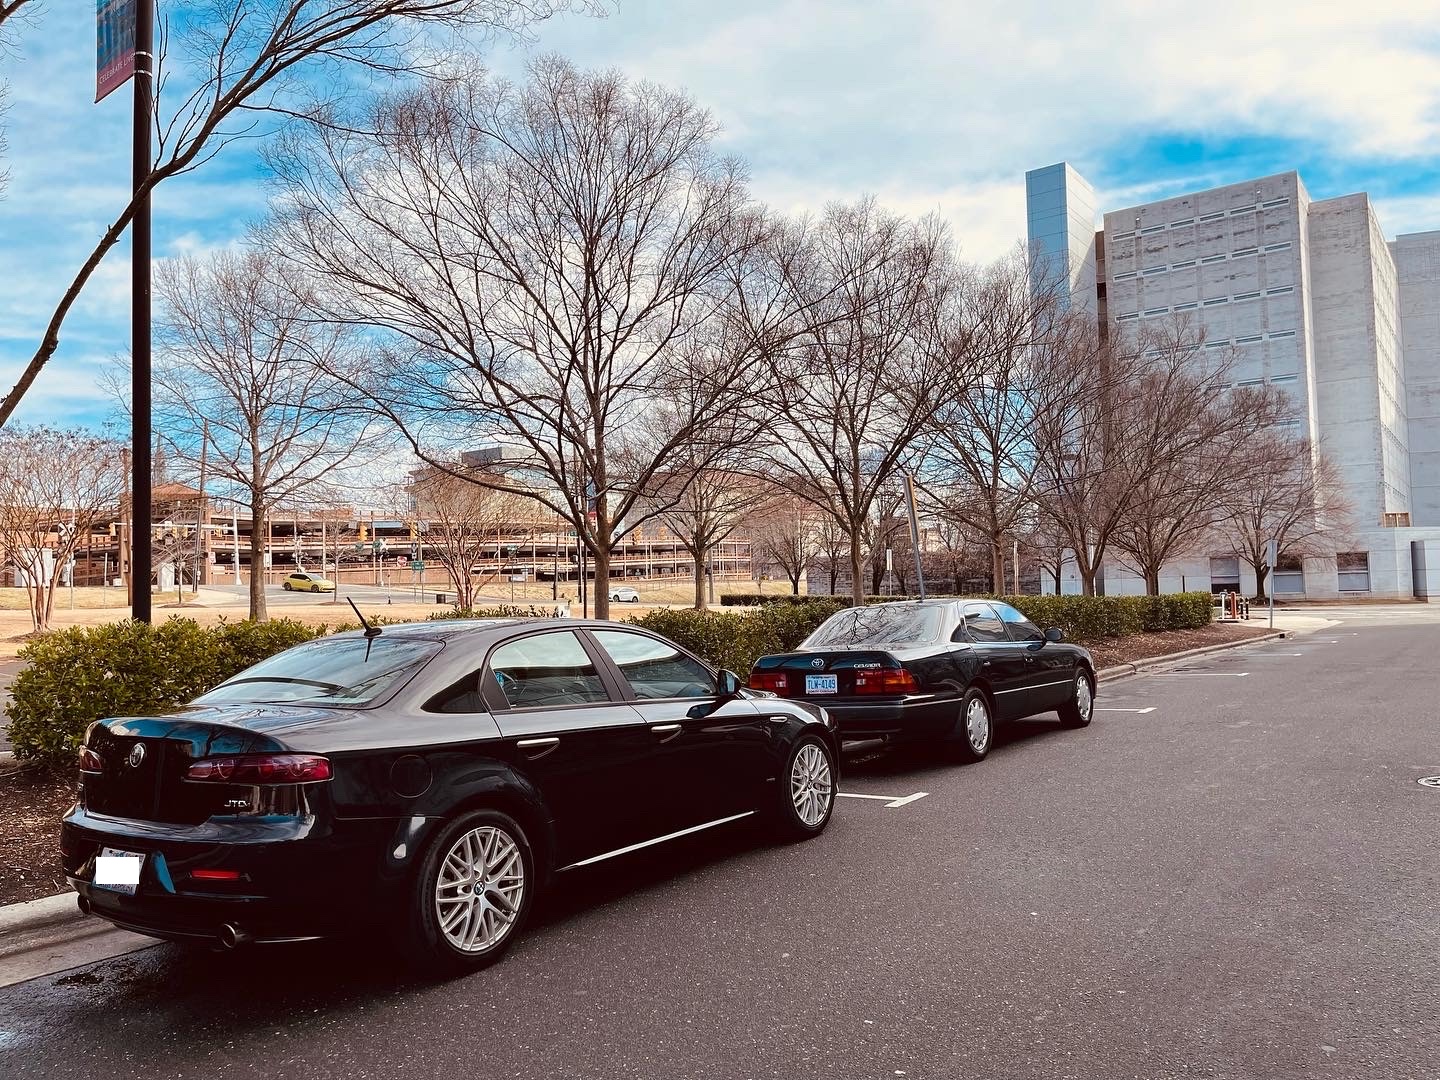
300	581
624	593
426	782
933	670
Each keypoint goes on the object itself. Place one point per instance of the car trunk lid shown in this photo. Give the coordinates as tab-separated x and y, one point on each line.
827	673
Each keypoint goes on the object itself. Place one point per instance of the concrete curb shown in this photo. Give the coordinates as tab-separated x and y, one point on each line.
16	919
1121	671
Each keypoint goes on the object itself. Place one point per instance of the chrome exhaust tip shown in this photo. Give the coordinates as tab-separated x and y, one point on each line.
231	936
83	904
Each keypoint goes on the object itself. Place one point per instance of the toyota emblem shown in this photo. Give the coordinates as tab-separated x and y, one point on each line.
137	755
818	662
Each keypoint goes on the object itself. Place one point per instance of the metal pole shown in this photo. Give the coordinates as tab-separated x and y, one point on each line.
140	538
235	532
914	532
202	515
1015	557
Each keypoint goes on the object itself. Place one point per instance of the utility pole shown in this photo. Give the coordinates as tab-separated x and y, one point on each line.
202	515
140	537
914	532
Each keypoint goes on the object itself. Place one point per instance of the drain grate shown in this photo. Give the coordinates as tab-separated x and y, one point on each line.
1429	781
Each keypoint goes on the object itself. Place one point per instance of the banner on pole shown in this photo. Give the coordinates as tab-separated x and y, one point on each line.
114	45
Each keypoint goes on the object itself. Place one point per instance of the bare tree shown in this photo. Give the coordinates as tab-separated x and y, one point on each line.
237	383
1293	496
1187	445
56	486
982	463
854	385
783	534
551	267
261	62
462	517
708	507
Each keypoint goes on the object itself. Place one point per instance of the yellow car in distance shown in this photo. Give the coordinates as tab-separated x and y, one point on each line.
303	582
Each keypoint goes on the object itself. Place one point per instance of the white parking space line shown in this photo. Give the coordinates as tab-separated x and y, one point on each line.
891	801
1199	674
1142	712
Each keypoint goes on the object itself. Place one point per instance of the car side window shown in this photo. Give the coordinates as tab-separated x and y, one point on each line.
1021	628
983	624
546	670
656	669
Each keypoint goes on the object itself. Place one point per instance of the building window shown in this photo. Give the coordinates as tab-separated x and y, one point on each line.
1243	253
1127	317
1213	217
1187	307
1243	210
1128	275
1248	339
1352	568
1289	577
1224	572
1272	203
1280	290
1397	521
1247	296
1156	311
1217	344
1182	224
1278	247
1251	382
1152	229
1214	300
1213	259
1282	334
1123	235
1153	270
1183	265
1284	378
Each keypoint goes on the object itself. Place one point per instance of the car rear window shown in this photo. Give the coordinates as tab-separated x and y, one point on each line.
331	671
878	625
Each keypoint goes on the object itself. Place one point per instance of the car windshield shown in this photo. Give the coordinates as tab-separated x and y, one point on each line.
880	624
330	671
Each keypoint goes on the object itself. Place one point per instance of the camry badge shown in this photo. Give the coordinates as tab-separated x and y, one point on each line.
137	755
818	662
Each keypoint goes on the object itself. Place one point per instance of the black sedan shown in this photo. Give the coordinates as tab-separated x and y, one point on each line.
427	780
933	670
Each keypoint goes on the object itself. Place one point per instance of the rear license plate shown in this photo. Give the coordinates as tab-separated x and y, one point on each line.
118	871
822	684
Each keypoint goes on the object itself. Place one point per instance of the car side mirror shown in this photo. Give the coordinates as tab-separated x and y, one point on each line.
1054	634
728	684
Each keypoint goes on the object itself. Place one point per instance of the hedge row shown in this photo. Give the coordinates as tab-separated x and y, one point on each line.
78	675
733	640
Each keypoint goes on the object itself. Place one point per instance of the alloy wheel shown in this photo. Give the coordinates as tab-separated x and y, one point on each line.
479	889
812	786
977	724
1084	699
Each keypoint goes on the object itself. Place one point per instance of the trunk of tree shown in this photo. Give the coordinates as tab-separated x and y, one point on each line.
258	518
602	581
857	569
997	564
698	557
1152	581
794	583
834	573
877	577
1262	578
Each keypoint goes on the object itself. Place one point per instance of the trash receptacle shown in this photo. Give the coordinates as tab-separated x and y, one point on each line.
442	598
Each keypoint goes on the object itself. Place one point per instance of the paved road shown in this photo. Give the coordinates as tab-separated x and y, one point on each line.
1238	882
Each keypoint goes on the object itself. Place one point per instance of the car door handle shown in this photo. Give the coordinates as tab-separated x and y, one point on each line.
666	732
537	748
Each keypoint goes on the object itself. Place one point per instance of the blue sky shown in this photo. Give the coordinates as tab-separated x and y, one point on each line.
930	104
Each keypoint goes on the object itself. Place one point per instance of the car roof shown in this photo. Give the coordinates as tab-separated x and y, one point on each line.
444	629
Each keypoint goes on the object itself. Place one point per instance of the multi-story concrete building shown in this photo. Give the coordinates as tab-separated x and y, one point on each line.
1311	298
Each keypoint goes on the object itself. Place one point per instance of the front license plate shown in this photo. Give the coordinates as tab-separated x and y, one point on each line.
822	684
118	871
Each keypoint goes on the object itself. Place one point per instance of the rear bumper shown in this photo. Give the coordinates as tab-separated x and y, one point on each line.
899	720
298	879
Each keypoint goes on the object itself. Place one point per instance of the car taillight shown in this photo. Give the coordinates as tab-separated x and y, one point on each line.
261	769
215	875
885	681
90	761
774	681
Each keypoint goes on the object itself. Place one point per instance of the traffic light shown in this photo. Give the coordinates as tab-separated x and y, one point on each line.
362	532
414	530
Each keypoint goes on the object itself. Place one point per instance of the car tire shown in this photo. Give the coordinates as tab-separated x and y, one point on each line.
634	599
1080	709
314	588
285	585
805	794
974	732
438	944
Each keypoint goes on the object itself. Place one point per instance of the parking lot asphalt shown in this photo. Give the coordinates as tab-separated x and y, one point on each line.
1234	879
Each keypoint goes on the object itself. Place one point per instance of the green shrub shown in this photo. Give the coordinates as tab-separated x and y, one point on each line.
503	611
1095	618
76	676
734	640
